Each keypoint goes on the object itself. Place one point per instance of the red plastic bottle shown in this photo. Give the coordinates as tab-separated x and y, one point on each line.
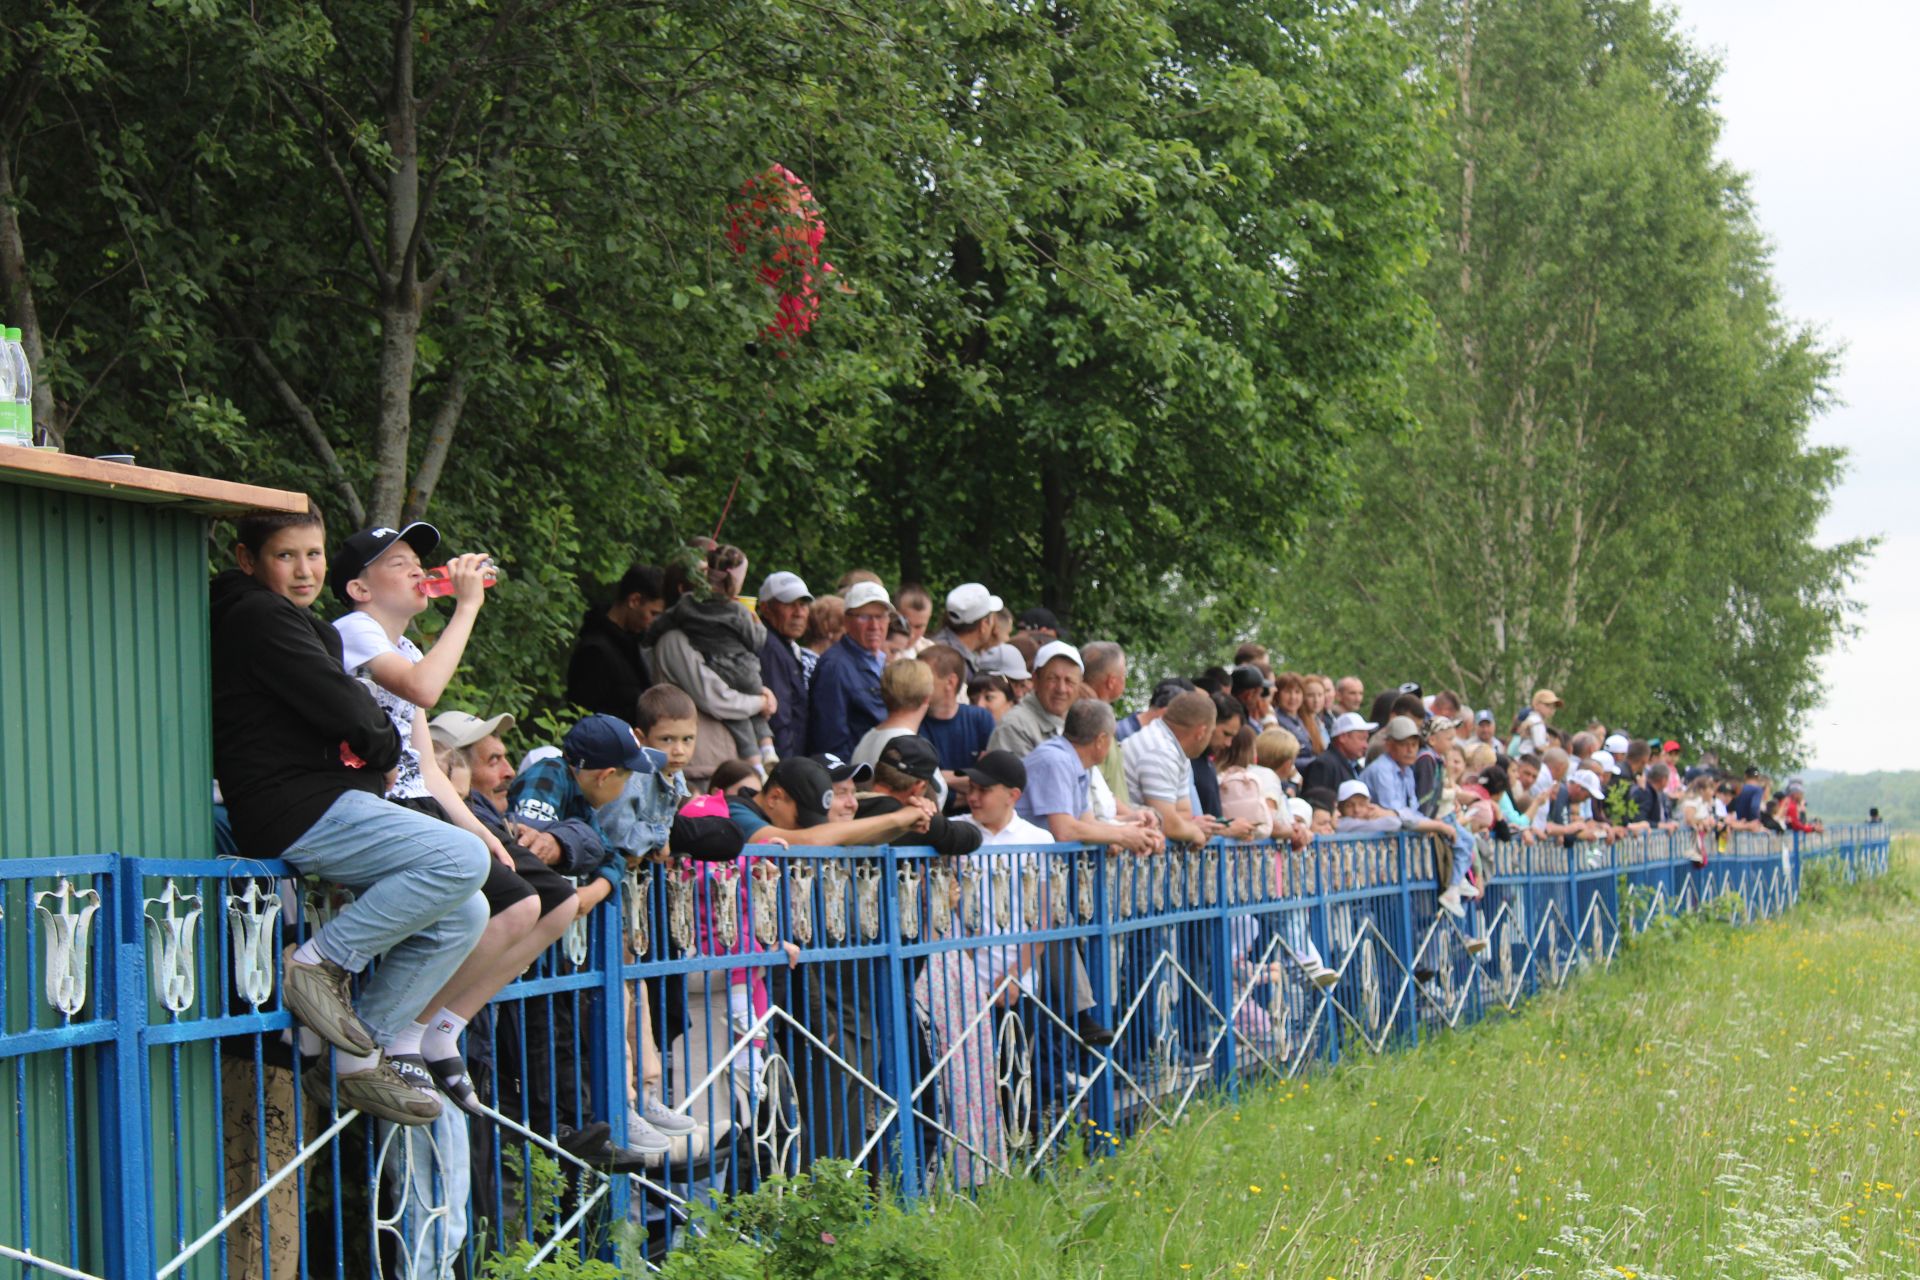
439	582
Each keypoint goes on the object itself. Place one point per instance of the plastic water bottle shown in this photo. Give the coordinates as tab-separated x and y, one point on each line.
22	387
439	581
10	367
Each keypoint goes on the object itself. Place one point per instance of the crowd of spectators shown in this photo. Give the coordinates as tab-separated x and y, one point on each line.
711	722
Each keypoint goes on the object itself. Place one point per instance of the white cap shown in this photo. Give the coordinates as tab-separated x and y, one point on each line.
784	588
1349	722
970	602
1400	728
1617	743
1353	787
1606	761
1057	649
462	729
1586	780
862	594
1300	809
1002	660
1443	722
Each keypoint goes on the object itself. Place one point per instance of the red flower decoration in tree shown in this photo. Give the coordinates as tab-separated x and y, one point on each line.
777	226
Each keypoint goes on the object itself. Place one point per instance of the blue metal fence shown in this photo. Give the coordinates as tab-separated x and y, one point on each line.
926	1017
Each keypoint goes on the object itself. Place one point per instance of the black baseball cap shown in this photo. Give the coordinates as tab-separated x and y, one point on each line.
998	769
1248	677
840	771
809	785
1039	618
913	756
363	548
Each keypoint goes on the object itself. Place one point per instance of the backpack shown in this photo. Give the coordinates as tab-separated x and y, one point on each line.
1241	797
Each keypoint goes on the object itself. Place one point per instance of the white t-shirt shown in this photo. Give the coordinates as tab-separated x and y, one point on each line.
992	962
363	639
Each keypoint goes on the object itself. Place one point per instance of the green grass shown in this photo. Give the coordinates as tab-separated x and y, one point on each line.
1724	1103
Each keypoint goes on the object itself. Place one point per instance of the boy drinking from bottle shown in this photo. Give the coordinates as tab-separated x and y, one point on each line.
302	752
379	576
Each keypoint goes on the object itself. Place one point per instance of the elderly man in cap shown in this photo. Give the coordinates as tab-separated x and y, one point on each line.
969	605
480	745
784	604
845	699
1341	761
1041	714
1571	814
1390	781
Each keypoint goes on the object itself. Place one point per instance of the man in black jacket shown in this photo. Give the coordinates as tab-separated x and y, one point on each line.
607	673
784	604
302	753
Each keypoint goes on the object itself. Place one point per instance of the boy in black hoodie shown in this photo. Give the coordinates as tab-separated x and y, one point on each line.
302	752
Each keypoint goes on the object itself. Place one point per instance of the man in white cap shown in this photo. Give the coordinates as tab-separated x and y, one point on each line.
1570	812
844	701
968	607
1057	670
784	604
1340	762
480	744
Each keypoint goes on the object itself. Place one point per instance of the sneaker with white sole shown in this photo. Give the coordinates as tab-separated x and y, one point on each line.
1477	946
643	1137
1450	903
669	1122
1323	977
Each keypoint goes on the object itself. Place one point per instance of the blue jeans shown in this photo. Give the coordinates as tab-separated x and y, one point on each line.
417	903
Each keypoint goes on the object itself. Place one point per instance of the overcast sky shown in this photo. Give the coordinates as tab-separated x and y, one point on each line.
1819	111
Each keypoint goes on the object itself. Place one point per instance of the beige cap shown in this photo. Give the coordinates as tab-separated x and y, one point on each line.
1548	696
1400	728
461	729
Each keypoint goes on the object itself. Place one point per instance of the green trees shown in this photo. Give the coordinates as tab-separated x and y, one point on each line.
1611	491
1131	313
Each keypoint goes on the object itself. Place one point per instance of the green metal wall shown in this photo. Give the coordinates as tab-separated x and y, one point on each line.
105	747
104	721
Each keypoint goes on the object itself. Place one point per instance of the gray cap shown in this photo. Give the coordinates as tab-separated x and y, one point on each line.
1001	660
1400	728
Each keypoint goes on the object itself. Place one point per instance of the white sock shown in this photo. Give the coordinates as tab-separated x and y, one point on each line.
307	953
443	1035
311	1045
406	1040
346	1064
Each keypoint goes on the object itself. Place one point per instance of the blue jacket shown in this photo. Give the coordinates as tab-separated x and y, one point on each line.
845	699
781	673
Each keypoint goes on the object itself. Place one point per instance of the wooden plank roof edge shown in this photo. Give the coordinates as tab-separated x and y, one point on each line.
45	469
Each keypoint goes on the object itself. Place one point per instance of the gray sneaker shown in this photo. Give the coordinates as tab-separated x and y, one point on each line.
643	1137
386	1093
671	1123
318	995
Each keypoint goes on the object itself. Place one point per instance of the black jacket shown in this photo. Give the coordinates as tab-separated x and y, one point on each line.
948	838
607	673
781	672
282	708
1328	770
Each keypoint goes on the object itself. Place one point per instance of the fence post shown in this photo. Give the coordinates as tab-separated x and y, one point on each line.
895	1018
124	1105
1403	939
1105	995
1222	966
607	1037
